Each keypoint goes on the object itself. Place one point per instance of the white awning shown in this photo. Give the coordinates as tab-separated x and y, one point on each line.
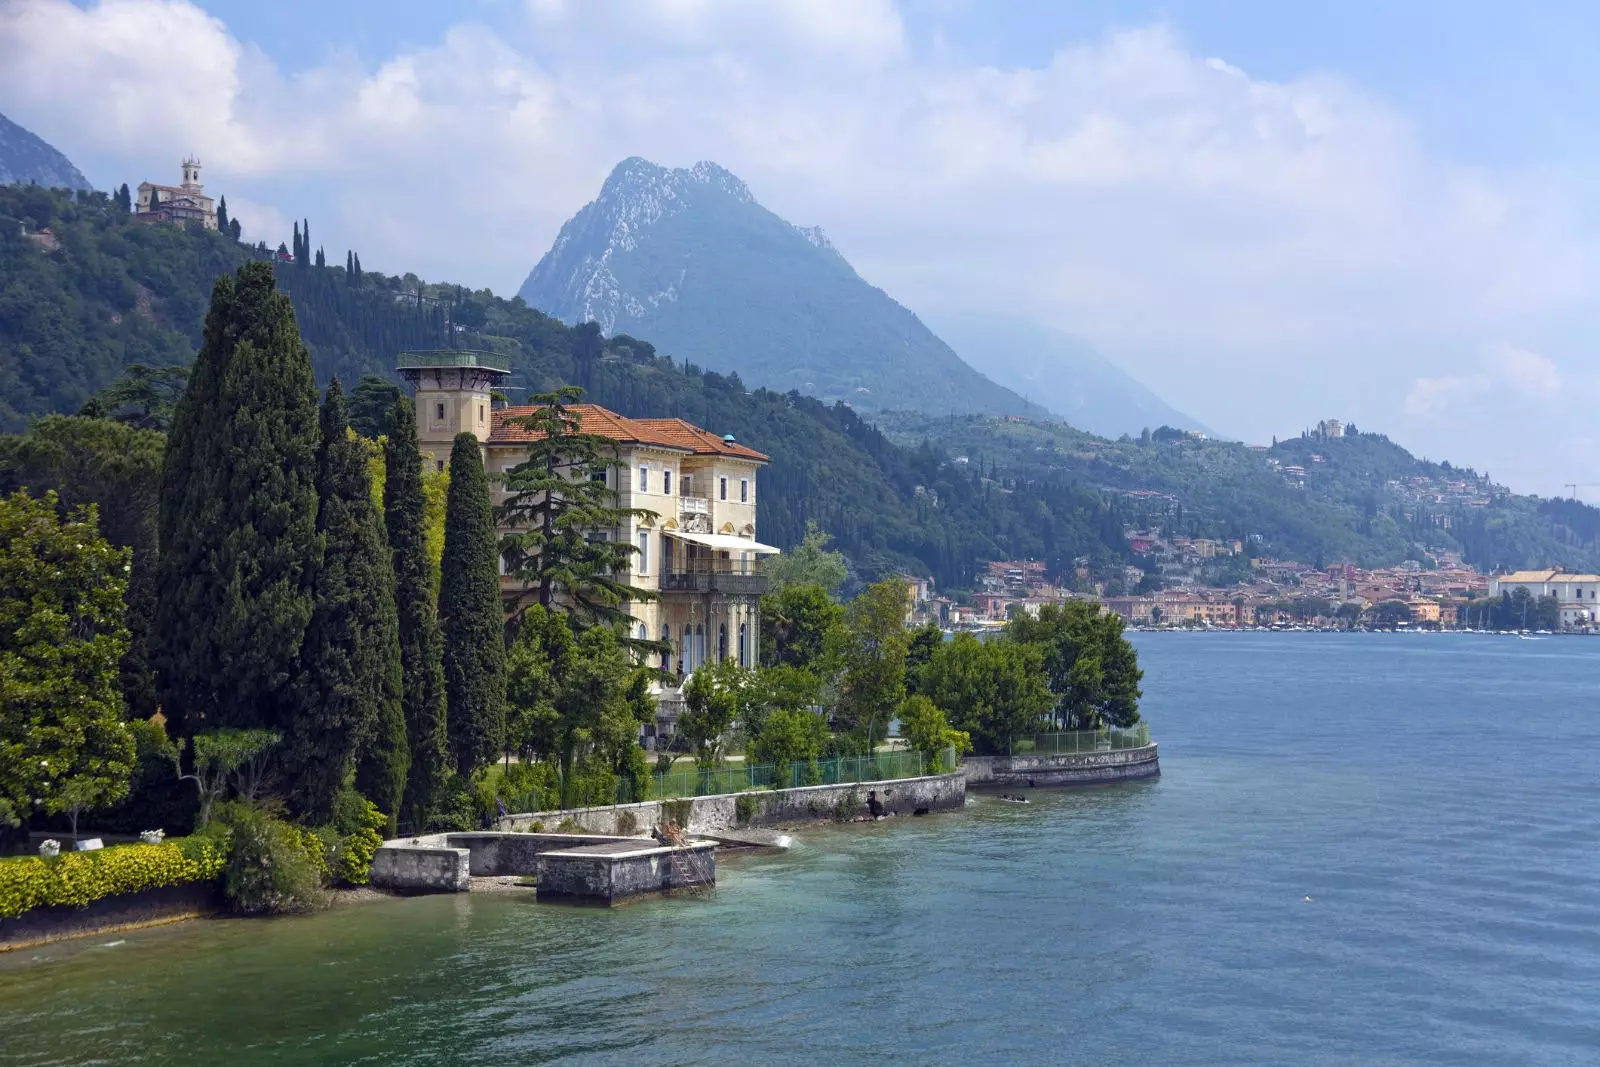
724	542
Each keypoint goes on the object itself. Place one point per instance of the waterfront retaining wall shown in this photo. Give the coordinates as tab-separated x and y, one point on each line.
1062	769
403	867
127	911
765	807
611	874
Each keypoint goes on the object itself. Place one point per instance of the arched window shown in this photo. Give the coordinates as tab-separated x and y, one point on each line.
699	645
744	644
686	649
722	641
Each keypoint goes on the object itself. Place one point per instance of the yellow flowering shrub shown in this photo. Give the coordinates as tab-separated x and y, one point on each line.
80	878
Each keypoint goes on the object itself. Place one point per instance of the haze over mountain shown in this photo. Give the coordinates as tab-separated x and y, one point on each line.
688	259
25	157
1061	372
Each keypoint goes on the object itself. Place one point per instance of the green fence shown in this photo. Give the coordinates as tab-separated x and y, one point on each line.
1075	741
882	767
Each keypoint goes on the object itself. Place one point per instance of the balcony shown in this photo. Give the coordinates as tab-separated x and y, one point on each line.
714	576
693	505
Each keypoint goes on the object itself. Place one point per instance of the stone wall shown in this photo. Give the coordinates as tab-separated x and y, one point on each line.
1064	769
492	853
402	867
764	807
124	912
589	875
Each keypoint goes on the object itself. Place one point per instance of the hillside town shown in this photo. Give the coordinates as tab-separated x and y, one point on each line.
1440	591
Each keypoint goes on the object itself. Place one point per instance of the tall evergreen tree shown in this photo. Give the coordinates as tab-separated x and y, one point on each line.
155	199
554	500
222	215
123	198
298	250
235	230
305	245
322	260
470	614
422	694
352	649
238	515
349	266
356	273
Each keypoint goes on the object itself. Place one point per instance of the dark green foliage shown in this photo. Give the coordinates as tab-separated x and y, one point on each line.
1517	610
422	691
272	866
470	616
144	397
795	623
994	690
922	644
239	543
553	505
222	214
352	649
1092	670
157	799
372	400
117	469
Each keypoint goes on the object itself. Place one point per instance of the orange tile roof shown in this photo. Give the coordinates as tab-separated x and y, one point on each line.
592	418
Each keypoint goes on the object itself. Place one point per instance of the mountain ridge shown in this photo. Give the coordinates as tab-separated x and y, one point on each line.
27	158
690	259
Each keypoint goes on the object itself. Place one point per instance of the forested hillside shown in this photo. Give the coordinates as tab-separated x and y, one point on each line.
1357	498
115	293
936	495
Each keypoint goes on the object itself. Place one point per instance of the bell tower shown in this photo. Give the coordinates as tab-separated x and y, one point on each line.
191	173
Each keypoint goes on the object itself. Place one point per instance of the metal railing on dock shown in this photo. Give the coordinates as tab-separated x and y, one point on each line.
1069	742
883	767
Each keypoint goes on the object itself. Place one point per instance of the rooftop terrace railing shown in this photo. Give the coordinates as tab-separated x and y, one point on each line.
883	767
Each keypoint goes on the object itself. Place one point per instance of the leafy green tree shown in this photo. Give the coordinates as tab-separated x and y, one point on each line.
872	651
555	501
118	470
789	736
352	649
772	689
808	563
421	649
927	730
229	757
795	624
711	703
239	544
993	690
1091	668
62	740
470	615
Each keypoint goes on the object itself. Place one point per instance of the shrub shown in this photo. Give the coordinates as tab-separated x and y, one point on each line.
273	867
458	807
746	807
627	823
80	878
352	863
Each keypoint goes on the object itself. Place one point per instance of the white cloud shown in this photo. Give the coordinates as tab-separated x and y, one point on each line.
1261	253
1506	376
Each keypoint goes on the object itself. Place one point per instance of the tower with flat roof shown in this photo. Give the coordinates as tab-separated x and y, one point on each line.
455	394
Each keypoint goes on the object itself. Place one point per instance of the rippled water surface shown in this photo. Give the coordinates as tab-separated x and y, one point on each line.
1436	797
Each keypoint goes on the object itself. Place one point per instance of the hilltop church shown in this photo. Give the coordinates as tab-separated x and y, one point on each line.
177	203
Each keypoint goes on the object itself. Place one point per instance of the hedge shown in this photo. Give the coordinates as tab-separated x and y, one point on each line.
80	878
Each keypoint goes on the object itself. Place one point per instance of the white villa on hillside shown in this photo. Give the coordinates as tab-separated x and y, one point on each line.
697	547
177	203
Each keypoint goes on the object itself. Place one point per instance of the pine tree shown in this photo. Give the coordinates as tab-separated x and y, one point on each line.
235	230
349	267
356	274
238	515
123	198
422	693
304	260
298	250
553	500
352	649
322	260
222	215
155	199
470	614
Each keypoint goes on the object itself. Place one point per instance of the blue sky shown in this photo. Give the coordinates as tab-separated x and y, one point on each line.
1270	213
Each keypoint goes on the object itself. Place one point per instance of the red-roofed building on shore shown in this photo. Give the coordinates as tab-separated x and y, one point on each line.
177	203
696	546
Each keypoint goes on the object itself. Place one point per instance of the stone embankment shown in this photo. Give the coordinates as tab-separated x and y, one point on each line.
1056	770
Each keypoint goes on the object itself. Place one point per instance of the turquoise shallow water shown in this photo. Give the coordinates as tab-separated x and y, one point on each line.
1436	797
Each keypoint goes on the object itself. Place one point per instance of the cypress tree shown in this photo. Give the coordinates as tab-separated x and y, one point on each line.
235	230
222	215
352	649
422	692
470	614
155	199
305	245
239	515
349	267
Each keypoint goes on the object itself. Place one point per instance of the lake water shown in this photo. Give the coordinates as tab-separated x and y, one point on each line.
1437	798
